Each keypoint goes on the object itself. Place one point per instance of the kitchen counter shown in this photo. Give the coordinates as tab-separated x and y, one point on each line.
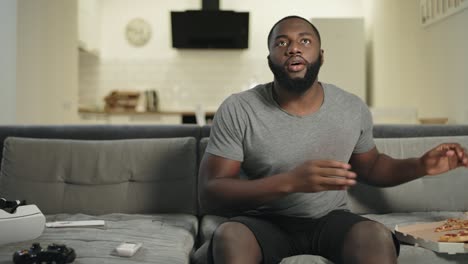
145	117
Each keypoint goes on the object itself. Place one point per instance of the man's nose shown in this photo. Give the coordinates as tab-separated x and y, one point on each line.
294	49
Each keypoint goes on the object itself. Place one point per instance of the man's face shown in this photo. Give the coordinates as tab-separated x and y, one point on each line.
296	85
295	56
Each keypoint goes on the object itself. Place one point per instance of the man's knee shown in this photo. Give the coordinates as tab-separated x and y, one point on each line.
231	232
371	241
370	232
232	240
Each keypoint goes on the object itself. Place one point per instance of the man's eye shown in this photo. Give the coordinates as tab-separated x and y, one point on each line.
306	41
281	43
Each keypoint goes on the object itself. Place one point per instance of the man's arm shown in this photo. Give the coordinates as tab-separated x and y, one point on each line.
221	189
379	169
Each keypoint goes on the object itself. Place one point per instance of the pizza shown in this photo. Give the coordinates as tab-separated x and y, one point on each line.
452	224
460	237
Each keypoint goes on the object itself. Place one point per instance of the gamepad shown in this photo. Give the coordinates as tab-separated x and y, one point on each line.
55	253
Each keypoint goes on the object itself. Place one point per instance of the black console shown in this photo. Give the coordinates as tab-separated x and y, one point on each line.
10	206
55	253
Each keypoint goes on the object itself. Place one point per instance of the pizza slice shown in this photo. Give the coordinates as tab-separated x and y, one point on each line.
459	237
452	224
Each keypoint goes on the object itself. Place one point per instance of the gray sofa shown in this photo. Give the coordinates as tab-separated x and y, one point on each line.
142	180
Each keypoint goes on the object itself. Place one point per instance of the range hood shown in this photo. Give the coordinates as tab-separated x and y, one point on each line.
210	28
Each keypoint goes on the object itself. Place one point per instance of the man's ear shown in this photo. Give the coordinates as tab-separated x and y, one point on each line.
321	57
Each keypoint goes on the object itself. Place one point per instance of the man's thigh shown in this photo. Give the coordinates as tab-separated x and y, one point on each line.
275	242
280	237
326	236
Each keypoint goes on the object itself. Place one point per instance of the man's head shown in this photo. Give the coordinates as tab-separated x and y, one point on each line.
270	34
295	55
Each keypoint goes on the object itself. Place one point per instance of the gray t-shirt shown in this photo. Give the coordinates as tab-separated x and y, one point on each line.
252	128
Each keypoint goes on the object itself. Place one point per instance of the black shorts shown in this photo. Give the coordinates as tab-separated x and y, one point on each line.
280	236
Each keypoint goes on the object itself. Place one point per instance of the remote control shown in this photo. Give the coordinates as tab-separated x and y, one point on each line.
127	249
75	223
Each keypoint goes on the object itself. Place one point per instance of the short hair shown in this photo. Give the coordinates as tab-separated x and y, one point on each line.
290	17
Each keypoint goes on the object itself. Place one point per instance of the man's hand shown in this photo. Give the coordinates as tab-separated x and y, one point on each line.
443	158
321	175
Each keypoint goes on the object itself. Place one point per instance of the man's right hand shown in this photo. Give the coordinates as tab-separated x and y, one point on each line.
222	189
321	175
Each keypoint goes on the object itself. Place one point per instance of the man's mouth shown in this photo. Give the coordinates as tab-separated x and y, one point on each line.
295	64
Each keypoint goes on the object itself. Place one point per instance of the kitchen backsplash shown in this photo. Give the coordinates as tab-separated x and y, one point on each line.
182	82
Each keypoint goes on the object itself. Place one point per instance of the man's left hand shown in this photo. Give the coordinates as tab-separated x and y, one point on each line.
444	157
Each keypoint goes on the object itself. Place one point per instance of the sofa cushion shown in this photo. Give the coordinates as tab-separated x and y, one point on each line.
166	238
101	176
98	131
420	195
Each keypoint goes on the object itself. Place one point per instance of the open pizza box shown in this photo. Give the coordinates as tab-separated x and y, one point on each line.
423	235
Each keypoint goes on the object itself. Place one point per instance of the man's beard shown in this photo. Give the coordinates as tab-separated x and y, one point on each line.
296	85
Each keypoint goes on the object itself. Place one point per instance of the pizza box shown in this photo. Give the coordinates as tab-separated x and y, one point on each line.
423	235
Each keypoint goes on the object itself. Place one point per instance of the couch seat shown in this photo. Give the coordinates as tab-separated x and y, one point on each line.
166	238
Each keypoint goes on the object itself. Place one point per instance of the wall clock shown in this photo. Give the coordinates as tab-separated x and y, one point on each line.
138	32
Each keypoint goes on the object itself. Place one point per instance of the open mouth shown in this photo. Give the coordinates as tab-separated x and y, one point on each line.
295	64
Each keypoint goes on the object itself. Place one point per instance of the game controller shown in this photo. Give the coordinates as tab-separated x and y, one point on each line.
55	253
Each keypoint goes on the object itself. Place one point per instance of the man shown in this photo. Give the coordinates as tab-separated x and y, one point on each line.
300	144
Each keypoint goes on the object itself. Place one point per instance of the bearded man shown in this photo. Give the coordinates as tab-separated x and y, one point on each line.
282	155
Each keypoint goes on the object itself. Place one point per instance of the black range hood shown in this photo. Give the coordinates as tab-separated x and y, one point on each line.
210	28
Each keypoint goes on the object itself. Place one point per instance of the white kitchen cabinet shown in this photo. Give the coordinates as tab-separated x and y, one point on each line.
89	24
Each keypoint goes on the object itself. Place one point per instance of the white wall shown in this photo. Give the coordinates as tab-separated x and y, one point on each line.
415	66
8	61
47	62
408	65
185	78
116	13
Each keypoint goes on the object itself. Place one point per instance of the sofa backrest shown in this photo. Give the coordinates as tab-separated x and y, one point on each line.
142	172
410	131
98	132
401	131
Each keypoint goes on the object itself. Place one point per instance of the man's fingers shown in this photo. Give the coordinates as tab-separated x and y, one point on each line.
338	173
454	149
462	155
453	161
338	181
332	164
448	149
461	152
